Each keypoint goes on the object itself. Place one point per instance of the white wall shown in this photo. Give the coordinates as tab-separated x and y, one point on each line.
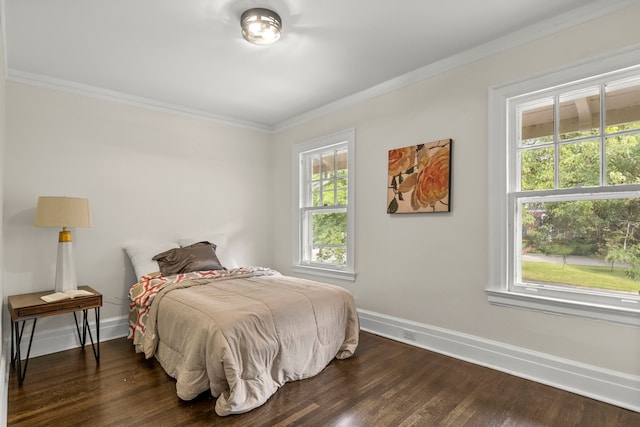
4	336
432	268
147	174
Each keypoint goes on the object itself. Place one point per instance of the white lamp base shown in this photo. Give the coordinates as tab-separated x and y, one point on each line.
65	268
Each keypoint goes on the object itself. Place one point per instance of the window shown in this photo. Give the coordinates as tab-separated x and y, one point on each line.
565	193
324	177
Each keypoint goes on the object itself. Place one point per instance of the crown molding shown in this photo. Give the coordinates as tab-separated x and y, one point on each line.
558	23
110	95
527	34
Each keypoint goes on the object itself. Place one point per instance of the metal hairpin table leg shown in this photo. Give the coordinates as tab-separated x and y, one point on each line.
85	328
15	329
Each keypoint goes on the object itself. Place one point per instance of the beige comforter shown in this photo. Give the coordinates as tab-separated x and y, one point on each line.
243	337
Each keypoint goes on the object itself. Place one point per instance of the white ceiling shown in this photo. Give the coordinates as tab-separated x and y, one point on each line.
189	55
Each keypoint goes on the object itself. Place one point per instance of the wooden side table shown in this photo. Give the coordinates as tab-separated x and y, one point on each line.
29	306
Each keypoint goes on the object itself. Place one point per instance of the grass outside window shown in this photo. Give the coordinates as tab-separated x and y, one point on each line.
585	276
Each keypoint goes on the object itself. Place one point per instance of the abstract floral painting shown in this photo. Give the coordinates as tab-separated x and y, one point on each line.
419	178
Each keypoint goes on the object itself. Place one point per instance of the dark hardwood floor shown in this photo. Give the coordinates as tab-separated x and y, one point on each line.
385	383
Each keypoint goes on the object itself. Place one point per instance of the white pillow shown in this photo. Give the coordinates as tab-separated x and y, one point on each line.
141	253
222	251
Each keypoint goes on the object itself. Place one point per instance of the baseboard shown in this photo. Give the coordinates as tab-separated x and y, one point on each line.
606	385
55	340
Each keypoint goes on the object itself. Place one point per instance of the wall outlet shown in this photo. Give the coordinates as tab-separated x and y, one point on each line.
409	335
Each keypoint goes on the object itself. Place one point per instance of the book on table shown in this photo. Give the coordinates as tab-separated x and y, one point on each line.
70	293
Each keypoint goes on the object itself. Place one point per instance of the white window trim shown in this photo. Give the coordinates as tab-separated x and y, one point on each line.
348	271
501	219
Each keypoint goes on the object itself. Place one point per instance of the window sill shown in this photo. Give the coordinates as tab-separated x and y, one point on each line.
325	272
619	315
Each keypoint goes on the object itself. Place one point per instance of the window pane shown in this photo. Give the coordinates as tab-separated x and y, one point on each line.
342	184
585	244
329	237
328	164
623	159
580	113
315	168
342	158
328	198
537	167
623	104
342	197
580	164
536	122
315	193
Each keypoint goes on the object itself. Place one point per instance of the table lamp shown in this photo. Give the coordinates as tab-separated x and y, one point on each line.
63	212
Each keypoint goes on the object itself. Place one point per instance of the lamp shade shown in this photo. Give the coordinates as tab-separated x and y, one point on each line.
62	212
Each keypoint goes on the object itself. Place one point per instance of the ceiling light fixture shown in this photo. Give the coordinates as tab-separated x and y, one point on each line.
260	26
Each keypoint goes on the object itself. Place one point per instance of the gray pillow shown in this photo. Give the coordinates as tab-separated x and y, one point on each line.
197	257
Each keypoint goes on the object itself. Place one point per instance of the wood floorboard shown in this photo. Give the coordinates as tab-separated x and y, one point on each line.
386	383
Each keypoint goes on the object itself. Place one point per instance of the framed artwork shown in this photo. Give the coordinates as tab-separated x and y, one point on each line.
419	178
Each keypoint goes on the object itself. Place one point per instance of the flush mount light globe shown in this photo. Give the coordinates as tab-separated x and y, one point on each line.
260	26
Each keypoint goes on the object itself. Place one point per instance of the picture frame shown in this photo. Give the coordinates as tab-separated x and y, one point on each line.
419	178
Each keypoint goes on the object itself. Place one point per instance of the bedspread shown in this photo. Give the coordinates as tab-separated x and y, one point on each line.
243	334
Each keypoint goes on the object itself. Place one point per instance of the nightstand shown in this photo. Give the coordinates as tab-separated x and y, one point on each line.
30	307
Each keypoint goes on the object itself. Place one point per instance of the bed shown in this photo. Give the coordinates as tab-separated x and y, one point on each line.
239	332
